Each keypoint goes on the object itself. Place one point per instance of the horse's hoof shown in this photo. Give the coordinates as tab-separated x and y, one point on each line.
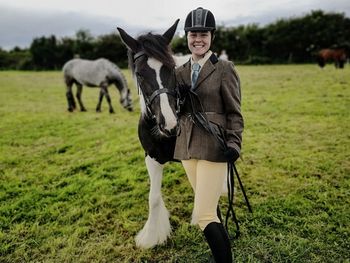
146	240
155	232
82	110
111	111
70	109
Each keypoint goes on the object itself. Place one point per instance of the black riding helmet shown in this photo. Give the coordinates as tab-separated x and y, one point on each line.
200	19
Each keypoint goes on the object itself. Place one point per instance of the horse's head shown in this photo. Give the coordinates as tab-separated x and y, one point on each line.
154	69
126	100
117	77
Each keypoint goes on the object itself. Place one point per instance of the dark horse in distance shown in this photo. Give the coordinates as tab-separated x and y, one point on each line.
153	67
338	55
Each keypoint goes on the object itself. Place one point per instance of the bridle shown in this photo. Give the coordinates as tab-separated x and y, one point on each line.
149	100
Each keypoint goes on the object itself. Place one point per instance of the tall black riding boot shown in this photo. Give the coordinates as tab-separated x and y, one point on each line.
219	242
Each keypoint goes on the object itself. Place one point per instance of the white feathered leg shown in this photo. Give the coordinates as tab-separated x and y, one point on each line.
157	228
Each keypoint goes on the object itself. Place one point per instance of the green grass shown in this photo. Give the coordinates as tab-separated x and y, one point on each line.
74	187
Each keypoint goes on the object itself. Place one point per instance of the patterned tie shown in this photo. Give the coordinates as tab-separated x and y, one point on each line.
195	72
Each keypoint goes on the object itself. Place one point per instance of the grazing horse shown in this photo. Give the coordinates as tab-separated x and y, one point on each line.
95	73
338	55
153	67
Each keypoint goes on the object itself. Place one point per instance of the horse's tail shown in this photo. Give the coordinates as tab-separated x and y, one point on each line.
320	60
67	72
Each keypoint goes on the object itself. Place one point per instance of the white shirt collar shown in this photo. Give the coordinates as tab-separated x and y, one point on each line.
202	61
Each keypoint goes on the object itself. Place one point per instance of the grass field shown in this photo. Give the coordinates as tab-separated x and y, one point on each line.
74	187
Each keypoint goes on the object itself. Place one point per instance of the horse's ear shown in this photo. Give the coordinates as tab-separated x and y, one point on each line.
129	41
171	31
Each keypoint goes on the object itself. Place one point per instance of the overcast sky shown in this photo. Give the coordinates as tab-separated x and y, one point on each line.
23	20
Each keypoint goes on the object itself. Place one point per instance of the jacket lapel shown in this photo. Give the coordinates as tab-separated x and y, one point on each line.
208	68
185	73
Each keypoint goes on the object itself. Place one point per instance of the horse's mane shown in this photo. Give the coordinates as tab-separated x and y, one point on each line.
155	46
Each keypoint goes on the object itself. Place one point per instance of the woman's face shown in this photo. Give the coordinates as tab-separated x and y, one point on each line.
198	43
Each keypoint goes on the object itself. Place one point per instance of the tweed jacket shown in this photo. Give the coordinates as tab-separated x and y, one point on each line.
218	88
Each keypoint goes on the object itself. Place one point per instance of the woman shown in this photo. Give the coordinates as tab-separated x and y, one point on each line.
211	87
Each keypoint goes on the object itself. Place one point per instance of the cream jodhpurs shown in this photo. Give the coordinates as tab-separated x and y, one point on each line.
207	179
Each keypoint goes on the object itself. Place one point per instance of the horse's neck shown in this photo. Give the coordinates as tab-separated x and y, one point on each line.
120	81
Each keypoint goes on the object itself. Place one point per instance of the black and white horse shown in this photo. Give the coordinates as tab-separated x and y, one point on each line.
95	73
153	67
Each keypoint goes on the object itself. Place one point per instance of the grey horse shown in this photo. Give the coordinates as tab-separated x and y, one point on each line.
95	73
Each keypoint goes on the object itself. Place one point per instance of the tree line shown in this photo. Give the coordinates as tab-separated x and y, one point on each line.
292	40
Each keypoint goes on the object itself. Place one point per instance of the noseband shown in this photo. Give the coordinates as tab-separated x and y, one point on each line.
156	93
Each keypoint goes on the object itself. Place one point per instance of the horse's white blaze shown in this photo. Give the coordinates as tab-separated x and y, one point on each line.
157	228
169	115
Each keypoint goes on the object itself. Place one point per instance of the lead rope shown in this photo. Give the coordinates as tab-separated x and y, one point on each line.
230	195
231	171
200	119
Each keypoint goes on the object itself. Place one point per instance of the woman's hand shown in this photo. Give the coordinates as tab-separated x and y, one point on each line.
231	154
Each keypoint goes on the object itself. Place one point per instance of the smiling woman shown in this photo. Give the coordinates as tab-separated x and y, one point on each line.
211	89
